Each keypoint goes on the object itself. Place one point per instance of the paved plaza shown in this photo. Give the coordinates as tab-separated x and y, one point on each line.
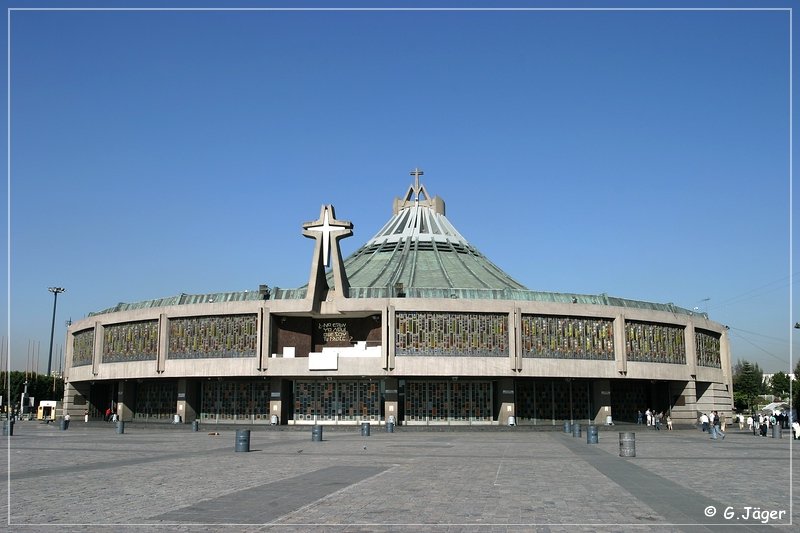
169	478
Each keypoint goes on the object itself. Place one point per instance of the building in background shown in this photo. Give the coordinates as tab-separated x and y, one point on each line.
417	326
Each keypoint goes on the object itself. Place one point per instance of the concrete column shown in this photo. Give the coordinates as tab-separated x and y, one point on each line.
264	343
126	397
691	350
389	330
187	402
602	401
76	399
515	338
506	395
391	404
97	348
276	400
684	402
620	355
163	340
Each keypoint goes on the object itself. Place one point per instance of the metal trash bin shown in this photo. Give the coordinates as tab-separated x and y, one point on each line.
389	427
567	427
64	424
195	425
591	434
776	432
273	420
365	429
120	427
576	430
512	421
8	428
316	433
242	440
627	444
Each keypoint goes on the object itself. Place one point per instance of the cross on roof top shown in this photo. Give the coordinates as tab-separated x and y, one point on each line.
417	172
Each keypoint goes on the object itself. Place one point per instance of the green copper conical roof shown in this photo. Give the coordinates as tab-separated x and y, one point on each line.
418	248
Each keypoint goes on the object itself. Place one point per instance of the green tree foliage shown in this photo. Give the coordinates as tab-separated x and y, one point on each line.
40	387
779	384
748	383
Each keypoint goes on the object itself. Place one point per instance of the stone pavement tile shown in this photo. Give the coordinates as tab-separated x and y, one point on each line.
430	481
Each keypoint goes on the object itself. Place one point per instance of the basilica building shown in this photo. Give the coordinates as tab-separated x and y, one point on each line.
417	326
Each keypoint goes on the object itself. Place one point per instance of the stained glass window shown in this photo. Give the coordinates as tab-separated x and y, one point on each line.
212	336
566	337
132	341
646	342
156	399
448	400
451	334
83	347
708	348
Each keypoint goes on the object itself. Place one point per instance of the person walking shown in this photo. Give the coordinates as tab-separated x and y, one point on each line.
86	415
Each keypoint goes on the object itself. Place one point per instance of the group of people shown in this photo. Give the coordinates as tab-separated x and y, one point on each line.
761	423
654	420
714	424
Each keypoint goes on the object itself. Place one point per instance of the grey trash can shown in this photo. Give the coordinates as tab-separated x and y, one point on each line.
316	433
389	427
242	440
627	444
273	420
8	428
64	424
591	435
120	427
365	429
567	427
576	430
776	432
195	425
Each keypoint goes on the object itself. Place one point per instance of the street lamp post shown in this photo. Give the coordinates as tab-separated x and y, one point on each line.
56	291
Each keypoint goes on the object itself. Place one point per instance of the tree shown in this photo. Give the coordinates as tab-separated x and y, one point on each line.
779	384
748	383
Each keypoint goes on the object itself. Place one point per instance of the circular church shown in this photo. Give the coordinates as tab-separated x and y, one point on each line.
417	326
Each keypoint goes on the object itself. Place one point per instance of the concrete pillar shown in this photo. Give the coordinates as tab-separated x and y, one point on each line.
602	401
187	403
126	398
391	404
76	399
683	403
506	395
276	400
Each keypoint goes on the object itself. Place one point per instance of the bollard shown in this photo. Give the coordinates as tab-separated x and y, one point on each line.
591	435
365	429
776	432
242	440
576	430
627	444
567	427
8	428
316	433
64	424
120	427
389	427
195	425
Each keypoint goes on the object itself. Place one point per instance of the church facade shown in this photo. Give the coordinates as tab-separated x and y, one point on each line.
416	326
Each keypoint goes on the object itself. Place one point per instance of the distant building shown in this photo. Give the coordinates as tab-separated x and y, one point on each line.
417	326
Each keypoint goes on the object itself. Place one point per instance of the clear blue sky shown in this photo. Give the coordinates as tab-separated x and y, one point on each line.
640	154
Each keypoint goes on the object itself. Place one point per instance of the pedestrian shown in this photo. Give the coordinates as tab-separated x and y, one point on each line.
639	417
716	428
86	415
108	414
669	423
704	421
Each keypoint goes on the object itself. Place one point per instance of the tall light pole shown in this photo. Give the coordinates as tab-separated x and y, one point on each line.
56	291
